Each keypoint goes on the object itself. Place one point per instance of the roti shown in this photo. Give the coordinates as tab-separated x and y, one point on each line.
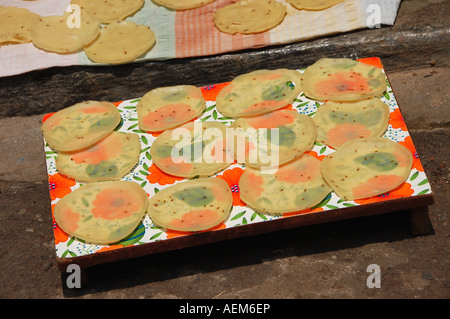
343	80
367	167
273	138
182	4
55	34
15	25
102	213
193	149
249	16
121	42
191	206
109	159
295	186
338	123
107	11
168	107
81	125
313	5
259	92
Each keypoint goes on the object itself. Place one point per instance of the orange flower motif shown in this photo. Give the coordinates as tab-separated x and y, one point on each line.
404	190
176	233
372	61
313	153
396	120
304	211
117	103
408	143
47	116
59	185
157	176
232	177
112	247
210	92
60	235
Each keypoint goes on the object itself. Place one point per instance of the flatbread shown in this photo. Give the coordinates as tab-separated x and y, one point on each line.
296	134
15	25
107	11
81	125
338	123
193	205
180	5
102	213
56	34
313	5
367	167
121	42
259	92
168	107
295	186
109	159
343	80
249	16
193	149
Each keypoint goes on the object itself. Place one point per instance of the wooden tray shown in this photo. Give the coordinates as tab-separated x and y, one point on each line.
415	194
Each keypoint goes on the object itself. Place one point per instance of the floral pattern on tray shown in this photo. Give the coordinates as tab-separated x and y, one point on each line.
153	179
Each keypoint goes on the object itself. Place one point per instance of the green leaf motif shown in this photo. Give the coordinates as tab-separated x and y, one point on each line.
239	215
423	182
414	176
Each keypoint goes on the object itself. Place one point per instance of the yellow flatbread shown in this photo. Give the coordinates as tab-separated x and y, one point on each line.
109	159
249	16
193	205
367	167
179	5
15	25
102	213
121	42
107	11
313	5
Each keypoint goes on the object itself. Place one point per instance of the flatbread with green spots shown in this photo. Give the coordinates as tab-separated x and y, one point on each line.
80	125
295	186
343	80
193	149
338	123
367	167
167	107
102	213
259	92
284	132
109	159
194	205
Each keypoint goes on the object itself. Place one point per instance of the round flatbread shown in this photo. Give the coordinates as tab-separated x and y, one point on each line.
121	42
338	123
367	167
179	5
273	138
60	34
168	107
296	186
193	149
102	213
343	80
107	11
259	92
109	159
313	5
193	205
15	25
249	16
81	125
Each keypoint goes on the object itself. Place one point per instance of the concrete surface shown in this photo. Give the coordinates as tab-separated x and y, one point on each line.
320	261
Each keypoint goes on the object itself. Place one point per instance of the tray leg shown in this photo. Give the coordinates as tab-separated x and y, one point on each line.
420	221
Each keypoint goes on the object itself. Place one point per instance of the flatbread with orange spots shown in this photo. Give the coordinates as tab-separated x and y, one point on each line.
295	186
343	80
338	123
367	167
168	107
193	205
259	92
278	136
193	149
109	159
102	213
81	125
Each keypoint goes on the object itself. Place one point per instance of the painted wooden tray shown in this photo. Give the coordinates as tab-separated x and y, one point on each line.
415	193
